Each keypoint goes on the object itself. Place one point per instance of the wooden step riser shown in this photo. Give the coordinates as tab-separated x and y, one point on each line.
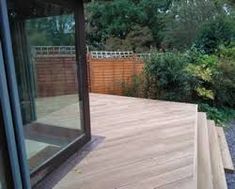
204	172
219	180
226	156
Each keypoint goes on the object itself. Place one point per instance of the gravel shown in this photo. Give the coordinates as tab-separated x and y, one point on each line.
230	136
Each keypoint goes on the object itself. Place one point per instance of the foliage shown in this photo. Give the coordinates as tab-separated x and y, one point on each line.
184	20
214	33
125	20
224	86
169	24
227	53
202	71
138	40
195	77
166	72
205	93
220	115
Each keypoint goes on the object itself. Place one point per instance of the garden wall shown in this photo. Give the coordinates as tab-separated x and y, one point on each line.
56	75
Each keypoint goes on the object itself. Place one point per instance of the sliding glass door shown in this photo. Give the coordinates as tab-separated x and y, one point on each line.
48	90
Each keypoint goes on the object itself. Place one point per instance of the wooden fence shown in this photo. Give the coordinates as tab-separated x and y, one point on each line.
56	72
107	75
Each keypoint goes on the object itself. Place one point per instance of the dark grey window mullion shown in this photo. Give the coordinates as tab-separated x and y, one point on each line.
9	131
14	97
82	66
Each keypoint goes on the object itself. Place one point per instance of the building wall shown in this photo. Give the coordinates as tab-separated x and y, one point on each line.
56	75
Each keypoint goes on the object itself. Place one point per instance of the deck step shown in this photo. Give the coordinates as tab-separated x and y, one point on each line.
219	180
226	157
204	170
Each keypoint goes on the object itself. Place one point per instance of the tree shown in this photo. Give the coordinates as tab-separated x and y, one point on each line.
216	32
184	20
137	40
122	19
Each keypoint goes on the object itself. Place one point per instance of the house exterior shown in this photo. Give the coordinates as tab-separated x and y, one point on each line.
36	136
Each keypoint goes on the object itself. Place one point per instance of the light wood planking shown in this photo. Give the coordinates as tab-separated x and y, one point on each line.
195	168
219	181
204	171
146	144
226	157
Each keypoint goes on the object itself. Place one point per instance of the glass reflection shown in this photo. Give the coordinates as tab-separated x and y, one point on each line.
43	44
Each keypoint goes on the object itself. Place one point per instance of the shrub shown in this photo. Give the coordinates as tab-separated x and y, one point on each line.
224	85
166	77
202	70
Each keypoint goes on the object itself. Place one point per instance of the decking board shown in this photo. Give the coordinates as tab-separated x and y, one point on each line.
146	144
204	173
219	180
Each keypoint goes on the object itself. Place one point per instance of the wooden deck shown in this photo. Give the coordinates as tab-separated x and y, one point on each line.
143	144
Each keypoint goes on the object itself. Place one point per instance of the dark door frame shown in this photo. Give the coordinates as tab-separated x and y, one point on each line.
7	127
14	104
13	93
5	164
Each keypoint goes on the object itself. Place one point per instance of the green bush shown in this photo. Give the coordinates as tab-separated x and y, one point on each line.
167	78
202	70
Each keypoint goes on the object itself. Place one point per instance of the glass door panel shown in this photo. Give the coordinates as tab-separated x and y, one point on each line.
43	37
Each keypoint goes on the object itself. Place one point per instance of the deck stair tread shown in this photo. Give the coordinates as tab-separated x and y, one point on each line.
219	180
204	170
226	156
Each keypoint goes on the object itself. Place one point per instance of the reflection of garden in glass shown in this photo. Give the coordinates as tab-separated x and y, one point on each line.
51	31
50	111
